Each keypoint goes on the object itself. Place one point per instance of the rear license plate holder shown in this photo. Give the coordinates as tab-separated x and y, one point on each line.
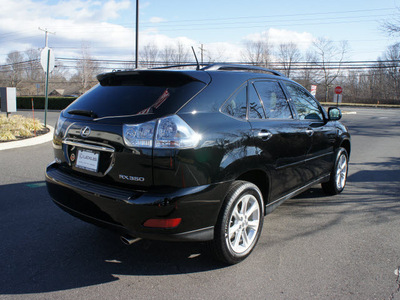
88	160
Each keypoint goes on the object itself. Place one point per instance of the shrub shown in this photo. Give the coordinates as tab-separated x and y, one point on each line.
56	103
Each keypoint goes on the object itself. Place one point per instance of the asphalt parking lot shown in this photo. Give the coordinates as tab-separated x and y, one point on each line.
312	247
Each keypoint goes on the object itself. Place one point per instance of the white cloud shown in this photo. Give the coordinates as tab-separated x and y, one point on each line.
144	5
156	20
278	36
73	21
111	9
77	21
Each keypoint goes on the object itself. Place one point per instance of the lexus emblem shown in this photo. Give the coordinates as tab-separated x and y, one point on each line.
85	131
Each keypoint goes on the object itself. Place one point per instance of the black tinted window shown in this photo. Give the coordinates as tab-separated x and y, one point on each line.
131	96
307	108
236	106
275	103
256	110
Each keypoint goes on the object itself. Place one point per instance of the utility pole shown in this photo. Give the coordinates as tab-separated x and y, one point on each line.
46	42
202	52
137	35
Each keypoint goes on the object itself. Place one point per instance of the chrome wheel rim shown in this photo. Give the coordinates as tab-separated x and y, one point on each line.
341	172
244	224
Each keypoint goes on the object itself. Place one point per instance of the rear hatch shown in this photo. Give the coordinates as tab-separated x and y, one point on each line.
89	136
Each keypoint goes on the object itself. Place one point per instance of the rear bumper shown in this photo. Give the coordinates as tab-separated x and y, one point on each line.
126	210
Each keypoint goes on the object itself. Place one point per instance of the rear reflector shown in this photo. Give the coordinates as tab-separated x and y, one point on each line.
162	223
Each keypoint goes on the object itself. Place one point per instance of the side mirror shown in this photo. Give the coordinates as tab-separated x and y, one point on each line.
334	114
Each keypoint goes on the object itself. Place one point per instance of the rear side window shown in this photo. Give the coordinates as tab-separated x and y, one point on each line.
236	106
158	94
274	100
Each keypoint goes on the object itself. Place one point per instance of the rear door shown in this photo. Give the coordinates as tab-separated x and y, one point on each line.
282	143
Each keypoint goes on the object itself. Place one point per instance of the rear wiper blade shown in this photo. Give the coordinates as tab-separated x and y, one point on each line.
81	112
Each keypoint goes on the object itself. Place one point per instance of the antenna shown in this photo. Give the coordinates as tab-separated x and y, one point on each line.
197	61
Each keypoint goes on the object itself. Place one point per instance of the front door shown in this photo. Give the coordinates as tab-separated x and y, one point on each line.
319	157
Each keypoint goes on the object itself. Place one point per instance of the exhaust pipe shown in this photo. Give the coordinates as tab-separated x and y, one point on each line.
129	240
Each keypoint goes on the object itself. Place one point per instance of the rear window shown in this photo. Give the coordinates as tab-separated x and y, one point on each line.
156	93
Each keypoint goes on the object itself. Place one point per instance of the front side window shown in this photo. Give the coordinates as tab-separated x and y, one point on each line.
275	103
307	108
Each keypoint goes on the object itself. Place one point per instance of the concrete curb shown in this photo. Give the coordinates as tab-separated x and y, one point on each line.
29	142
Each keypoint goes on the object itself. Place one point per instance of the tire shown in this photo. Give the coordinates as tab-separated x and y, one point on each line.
337	181
239	224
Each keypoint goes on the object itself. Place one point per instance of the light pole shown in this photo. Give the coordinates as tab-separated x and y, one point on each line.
137	34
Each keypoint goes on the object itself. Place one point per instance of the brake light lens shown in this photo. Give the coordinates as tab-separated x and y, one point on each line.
140	135
173	132
167	133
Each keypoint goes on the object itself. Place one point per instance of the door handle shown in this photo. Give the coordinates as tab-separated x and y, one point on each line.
309	132
264	135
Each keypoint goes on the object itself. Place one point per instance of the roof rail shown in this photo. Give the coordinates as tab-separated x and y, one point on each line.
175	66
237	67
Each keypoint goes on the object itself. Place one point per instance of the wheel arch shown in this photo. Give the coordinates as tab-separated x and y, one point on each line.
260	179
346	145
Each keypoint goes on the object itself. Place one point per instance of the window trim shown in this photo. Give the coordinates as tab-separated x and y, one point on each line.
251	83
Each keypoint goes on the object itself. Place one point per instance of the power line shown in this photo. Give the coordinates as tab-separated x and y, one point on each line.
278	16
301	65
293	21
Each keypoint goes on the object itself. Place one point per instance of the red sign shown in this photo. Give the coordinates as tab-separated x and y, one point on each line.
338	90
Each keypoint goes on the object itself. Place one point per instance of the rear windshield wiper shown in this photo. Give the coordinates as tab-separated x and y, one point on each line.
81	112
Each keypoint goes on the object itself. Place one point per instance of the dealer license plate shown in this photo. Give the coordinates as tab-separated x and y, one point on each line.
87	160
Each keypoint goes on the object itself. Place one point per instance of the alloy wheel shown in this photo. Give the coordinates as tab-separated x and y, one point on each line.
244	224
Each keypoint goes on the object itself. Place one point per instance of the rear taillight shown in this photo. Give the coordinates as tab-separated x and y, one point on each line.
166	133
59	126
139	135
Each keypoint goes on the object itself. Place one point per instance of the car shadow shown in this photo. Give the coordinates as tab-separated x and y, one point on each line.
369	199
44	249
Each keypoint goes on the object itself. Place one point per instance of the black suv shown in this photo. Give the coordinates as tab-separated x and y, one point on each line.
194	155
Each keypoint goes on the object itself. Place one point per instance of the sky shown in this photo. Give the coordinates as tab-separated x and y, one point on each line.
107	27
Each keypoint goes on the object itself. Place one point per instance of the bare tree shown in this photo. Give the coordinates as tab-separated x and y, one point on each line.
167	55
220	54
308	73
391	63
258	52
326	52
15	67
33	68
392	27
287	54
181	54
150	54
87	69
